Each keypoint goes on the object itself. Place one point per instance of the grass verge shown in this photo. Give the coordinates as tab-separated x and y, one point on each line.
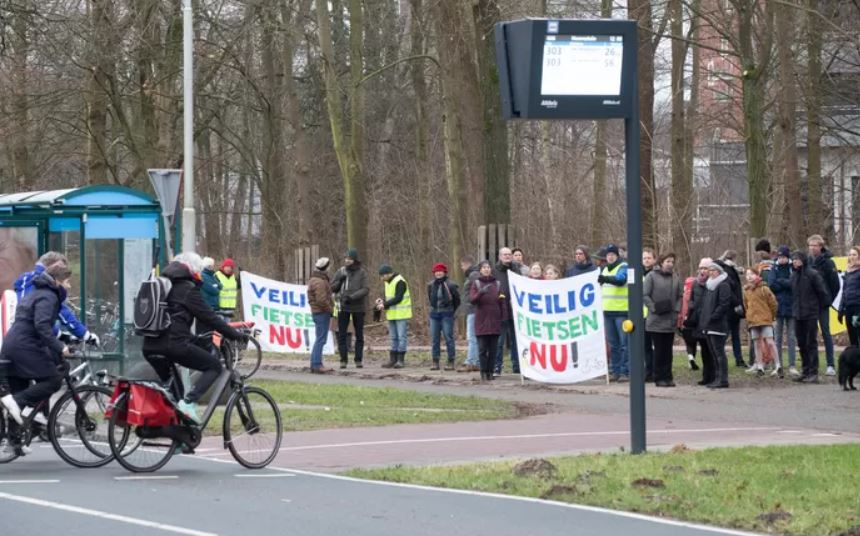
797	490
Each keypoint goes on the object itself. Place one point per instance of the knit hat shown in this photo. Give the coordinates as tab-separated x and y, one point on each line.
600	255
783	251
228	262
322	263
385	269
352	253
763	245
717	267
799	255
611	248
440	267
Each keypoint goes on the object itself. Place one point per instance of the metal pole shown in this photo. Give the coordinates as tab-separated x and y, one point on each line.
636	342
189	220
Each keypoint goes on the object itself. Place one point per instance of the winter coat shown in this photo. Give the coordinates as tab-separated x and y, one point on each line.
780	285
490	308
716	306
350	285
809	293
471	275
500	272
185	304
30	344
662	292
319	293
697	298
824	265
760	305
68	321
444	296
734	279
211	288
579	269
850	303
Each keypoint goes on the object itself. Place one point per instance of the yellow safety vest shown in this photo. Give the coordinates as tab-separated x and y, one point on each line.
614	297
229	290
403	310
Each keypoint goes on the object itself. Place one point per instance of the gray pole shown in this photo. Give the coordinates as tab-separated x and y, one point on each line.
636	342
189	218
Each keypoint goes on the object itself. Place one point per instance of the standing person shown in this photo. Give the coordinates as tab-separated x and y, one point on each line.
809	296
470	274
322	305
228	297
444	296
780	284
351	289
211	287
508	330
599	258
714	322
518	256
693	336
730	268
551	272
582	263
397	305
662	291
490	308
649	258
761	308
536	271
849	306
613	282
822	262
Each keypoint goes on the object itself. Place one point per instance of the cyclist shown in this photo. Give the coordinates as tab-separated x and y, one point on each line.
68	320
185	304
31	347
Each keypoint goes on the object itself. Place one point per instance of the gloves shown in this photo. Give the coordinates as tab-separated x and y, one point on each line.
91	338
602	280
344	299
63	368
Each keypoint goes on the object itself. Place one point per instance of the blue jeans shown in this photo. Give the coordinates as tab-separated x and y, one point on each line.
321	323
824	324
786	323
472	355
735	328
508	333
442	323
619	357
397	332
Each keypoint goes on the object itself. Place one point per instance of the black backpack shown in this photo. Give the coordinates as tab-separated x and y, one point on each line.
737	289
151	317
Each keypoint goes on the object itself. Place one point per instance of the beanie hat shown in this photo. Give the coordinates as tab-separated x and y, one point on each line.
612	248
763	245
322	263
228	262
352	253
717	267
783	251
799	255
385	269
440	267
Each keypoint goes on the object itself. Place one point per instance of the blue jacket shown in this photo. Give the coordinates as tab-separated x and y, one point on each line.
579	269
31	344
850	302
779	282
68	320
211	289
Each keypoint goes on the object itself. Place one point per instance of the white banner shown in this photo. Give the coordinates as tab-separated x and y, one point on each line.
559	328
282	313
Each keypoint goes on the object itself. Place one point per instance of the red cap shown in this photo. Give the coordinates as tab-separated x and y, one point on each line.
228	262
440	267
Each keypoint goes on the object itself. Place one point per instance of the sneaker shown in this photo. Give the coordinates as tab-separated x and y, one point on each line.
189	410
449	366
11	406
342	365
623	378
777	372
434	366
793	371
358	364
613	377
811	379
39	418
831	371
752	370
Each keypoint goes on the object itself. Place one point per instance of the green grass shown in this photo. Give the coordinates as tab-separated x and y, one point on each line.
307	406
797	490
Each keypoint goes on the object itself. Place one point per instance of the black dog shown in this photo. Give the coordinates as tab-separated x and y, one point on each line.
849	366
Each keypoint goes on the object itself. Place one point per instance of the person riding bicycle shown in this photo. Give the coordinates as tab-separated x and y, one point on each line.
68	321
177	343
31	347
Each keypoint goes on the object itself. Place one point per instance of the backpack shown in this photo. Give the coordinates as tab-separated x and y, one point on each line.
737	289
151	317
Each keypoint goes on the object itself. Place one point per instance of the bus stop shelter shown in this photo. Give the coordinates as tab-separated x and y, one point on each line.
112	236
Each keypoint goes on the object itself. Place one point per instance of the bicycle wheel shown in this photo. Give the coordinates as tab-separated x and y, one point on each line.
79	433
252	427
130	445
246	361
7	448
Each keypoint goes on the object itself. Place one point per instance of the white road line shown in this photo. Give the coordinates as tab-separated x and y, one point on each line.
104	515
29	481
275	475
151	477
825	435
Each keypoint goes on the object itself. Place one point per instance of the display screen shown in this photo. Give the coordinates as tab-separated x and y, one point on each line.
582	65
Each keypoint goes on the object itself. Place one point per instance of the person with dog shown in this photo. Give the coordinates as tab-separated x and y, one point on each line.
809	297
849	305
761	308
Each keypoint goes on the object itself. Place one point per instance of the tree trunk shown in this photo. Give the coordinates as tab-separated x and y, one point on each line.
100	66
22	168
786	123
422	133
818	220
690	127
682	181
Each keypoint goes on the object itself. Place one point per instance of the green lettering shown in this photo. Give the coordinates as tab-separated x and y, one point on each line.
589	322
575	327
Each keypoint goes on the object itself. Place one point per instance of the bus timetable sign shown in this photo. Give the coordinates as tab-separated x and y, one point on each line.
566	69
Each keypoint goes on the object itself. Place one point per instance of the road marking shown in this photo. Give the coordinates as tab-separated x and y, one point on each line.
104	515
825	435
286	500
151	477
29	481
268	475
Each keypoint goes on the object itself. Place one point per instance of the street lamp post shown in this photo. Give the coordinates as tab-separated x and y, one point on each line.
189	217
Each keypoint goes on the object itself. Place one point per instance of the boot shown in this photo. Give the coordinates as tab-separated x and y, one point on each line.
435	365
392	360
401	357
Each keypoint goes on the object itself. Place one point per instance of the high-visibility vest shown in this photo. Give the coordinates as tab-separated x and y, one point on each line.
403	310
229	290
614	297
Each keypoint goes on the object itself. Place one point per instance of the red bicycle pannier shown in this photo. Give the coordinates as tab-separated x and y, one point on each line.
147	406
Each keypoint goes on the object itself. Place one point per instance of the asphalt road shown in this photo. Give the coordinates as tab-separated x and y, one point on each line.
196	496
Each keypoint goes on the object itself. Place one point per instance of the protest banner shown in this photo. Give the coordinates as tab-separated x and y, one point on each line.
282	313
559	327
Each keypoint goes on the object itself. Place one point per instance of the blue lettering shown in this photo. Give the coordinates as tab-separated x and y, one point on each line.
586	295
259	292
534	303
520	296
273	296
557	306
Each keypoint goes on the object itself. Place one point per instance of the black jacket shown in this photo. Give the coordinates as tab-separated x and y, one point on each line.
697	297
350	285
715	310
736	286
579	269
809	295
185	304
30	344
444	295
824	265
500	272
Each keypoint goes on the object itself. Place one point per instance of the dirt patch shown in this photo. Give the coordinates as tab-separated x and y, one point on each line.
558	490
680	448
648	483
530	410
708	472
771	518
852	531
535	467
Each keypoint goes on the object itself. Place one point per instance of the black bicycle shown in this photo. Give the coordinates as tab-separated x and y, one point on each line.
251	429
75	425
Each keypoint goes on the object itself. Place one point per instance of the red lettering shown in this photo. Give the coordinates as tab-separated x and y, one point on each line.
276	335
298	340
537	353
558	358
